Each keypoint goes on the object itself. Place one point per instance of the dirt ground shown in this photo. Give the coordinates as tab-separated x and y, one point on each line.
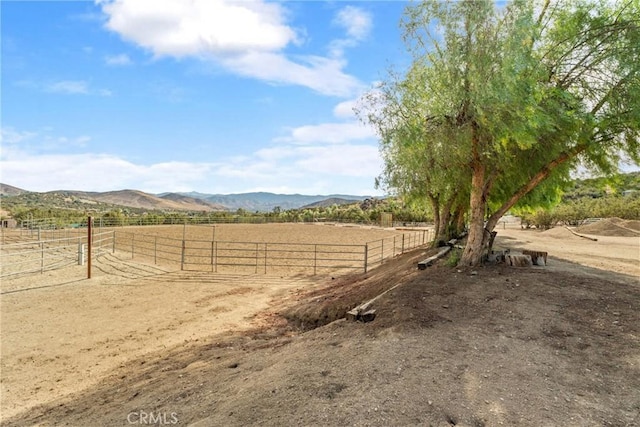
542	346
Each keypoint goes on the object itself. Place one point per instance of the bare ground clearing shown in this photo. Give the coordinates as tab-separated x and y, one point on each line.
537	347
61	333
277	233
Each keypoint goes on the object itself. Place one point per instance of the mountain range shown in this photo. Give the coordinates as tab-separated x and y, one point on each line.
188	201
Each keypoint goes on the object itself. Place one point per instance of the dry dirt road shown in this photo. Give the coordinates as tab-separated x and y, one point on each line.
549	346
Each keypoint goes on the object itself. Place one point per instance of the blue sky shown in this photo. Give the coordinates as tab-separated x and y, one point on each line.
215	96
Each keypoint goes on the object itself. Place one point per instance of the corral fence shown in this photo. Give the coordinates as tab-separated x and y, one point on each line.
266	257
45	250
386	220
37	251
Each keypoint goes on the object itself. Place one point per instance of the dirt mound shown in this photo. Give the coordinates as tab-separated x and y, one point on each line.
633	224
327	304
559	233
609	227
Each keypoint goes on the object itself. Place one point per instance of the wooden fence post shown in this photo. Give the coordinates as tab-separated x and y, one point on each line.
182	257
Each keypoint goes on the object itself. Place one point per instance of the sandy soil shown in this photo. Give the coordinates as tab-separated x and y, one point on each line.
558	345
61	333
612	253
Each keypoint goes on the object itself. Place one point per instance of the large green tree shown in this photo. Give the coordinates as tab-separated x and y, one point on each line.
509	98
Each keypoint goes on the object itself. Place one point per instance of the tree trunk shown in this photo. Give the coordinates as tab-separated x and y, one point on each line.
536	179
472	254
446	220
435	204
459	219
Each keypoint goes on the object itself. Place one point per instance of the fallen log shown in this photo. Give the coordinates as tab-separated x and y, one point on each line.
422	265
581	235
364	312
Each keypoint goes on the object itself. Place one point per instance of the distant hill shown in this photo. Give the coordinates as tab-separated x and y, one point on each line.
9	190
193	201
330	202
265	202
140	200
108	200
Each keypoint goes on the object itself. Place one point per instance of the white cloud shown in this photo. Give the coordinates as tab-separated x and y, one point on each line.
344	110
118	60
96	172
308	170
328	133
74	87
36	142
355	21
71	87
345	160
341	132
247	38
324	75
9	135
199	27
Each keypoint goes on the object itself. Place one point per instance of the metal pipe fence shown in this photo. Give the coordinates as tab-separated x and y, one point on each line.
151	220
50	249
266	257
39	255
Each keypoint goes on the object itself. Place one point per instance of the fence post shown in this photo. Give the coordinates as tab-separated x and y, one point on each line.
155	249
215	256
366	256
89	245
256	258
41	256
212	249
402	243
265	258
393	254
382	252
182	257
315	259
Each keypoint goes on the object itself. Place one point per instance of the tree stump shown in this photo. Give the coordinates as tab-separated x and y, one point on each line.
519	260
538	258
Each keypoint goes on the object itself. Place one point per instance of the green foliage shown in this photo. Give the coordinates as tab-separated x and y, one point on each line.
454	257
501	102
